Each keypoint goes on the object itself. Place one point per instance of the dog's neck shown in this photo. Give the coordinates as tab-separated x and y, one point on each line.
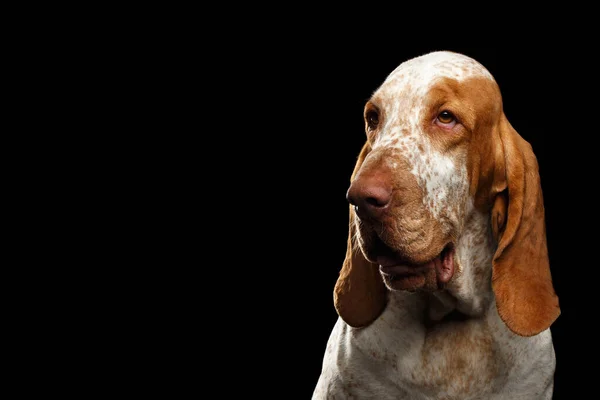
469	293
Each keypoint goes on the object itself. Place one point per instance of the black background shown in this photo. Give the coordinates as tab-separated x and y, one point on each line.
309	125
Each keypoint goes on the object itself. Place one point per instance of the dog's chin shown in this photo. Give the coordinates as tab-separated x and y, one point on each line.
398	274
425	280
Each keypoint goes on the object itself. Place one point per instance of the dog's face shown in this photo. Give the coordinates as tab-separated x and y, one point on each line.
442	169
412	191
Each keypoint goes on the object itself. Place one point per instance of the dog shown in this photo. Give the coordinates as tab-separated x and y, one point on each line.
445	291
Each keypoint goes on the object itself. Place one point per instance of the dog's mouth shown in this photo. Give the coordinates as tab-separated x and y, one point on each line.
401	274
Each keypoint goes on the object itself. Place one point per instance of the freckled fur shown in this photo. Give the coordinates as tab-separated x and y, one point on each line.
396	344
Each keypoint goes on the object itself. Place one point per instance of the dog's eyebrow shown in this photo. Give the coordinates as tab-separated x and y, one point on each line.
370	105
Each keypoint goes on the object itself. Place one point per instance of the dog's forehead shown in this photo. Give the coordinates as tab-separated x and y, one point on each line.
417	75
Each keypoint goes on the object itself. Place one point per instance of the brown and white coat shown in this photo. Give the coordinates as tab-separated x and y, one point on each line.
445	292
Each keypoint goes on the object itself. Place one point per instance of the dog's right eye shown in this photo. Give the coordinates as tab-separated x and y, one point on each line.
372	119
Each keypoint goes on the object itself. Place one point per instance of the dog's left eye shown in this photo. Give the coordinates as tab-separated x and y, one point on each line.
372	119
446	117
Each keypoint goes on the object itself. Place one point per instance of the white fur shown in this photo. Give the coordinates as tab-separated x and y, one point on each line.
394	359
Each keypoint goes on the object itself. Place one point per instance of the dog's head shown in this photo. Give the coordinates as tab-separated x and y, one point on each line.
438	149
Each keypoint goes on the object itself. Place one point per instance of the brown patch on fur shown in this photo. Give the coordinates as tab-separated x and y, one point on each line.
471	101
498	214
479	273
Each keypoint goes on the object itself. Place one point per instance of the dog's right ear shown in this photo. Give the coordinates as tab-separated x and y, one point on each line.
359	294
521	279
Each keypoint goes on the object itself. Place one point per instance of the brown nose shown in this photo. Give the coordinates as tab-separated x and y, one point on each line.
370	196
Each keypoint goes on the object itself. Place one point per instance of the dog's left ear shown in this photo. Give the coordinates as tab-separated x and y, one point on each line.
360	294
521	278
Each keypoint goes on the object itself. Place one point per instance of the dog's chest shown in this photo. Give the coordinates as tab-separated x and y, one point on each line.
456	360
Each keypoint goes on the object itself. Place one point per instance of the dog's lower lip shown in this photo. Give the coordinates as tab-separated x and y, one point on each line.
390	262
403	269
394	266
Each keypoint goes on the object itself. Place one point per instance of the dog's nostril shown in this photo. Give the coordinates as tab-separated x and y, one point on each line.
376	201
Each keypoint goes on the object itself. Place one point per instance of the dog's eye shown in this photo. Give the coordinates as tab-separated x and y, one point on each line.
446	117
372	119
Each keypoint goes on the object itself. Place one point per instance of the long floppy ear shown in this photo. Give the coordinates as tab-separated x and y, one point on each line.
521	278
360	294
